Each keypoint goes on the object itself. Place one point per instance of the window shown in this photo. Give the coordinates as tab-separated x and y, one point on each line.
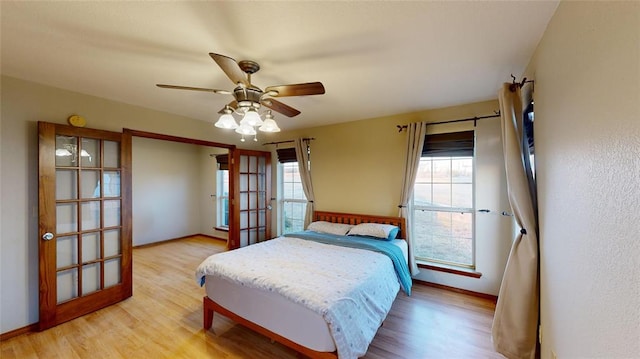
528	137
222	195
294	202
223	199
443	210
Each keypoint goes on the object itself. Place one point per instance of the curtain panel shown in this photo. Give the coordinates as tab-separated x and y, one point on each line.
304	167
416	133
515	323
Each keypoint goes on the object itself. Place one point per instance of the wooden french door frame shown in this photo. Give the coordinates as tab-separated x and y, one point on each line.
52	311
241	212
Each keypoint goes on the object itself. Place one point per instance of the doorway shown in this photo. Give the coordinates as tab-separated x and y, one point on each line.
249	196
174	185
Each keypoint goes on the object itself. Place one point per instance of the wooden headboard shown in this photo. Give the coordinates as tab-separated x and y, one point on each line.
350	218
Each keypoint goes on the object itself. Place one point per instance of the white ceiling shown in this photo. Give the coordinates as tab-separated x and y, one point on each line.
374	58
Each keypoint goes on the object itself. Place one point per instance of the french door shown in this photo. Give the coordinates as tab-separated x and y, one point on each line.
84	221
251	203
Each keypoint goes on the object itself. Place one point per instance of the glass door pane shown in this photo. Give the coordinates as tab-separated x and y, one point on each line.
90	153
90	184
112	274
67	248
67	287
66	151
66	184
111	154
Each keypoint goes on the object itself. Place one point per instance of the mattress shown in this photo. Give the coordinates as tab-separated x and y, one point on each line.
276	313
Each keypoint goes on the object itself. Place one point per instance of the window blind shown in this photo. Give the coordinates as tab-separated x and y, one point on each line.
454	144
223	162
286	155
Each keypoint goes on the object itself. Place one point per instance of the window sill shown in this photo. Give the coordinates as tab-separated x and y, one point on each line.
223	229
450	269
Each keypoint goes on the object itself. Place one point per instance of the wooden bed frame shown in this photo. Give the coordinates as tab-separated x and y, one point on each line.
210	307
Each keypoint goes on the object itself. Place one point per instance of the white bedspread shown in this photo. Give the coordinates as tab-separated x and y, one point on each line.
353	289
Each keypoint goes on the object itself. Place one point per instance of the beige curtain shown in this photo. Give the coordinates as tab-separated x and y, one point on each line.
304	166
416	133
515	322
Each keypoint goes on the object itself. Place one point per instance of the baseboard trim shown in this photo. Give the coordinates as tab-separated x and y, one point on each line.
457	290
213	237
16	332
178	239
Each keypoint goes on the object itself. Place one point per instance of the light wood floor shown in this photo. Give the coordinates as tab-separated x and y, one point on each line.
163	319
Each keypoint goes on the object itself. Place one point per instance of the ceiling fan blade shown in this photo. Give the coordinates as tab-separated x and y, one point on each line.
224	92
280	107
233	104
231	68
310	88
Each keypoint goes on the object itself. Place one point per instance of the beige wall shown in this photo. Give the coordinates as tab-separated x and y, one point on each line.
587	130
166	190
357	166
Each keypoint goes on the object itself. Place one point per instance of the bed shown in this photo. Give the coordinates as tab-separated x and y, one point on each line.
321	299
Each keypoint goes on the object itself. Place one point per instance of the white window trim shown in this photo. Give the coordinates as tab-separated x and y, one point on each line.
283	201
413	208
219	199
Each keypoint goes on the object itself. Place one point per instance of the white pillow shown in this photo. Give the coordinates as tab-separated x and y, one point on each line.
377	230
340	229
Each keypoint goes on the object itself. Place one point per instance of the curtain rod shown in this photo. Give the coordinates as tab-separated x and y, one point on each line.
279	142
474	119
520	84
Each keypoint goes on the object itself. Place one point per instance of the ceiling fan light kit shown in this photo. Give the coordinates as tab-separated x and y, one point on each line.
249	98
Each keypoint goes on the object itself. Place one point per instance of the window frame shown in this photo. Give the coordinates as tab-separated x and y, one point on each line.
220	197
470	210
285	200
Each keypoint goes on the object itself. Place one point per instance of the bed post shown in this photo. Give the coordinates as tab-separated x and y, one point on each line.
207	311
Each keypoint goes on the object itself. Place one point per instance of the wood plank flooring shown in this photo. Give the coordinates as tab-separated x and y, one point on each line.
163	319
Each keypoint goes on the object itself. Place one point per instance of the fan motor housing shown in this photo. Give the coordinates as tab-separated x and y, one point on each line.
247	96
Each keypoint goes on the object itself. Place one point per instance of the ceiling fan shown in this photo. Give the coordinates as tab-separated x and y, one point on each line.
248	98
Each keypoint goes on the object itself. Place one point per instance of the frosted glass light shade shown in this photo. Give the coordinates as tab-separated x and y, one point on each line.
226	121
252	118
269	125
245	129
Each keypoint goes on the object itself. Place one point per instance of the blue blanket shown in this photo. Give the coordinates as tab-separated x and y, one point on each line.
387	248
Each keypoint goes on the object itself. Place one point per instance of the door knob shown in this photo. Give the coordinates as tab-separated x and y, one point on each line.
47	236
